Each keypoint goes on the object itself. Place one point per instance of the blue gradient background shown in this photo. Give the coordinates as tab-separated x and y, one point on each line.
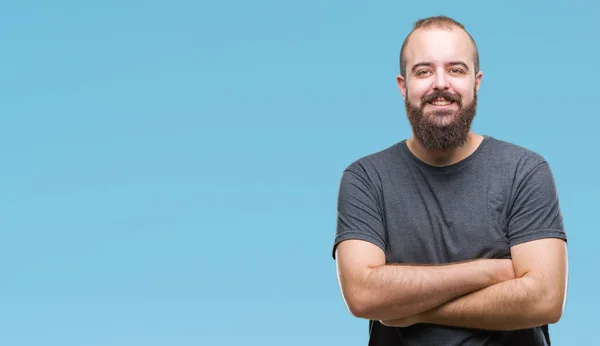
170	169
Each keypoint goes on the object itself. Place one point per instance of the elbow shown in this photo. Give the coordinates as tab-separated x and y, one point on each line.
555	317
358	299
367	308
549	302
554	313
542	311
551	315
357	311
362	305
359	308
552	308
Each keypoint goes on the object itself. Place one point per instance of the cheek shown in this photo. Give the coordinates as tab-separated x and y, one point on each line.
415	94
467	90
468	95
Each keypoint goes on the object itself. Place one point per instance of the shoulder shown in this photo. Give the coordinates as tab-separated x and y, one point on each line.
376	163
518	158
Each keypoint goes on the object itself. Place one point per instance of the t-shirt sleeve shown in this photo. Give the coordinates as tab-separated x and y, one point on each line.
535	212
359	214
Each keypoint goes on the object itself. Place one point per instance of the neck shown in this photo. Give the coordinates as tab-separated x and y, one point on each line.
445	157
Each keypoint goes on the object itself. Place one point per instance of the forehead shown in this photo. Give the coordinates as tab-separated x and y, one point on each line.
439	46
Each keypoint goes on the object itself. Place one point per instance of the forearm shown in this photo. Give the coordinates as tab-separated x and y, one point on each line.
397	291
509	305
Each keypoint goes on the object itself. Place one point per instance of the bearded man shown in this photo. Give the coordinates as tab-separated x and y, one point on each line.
450	237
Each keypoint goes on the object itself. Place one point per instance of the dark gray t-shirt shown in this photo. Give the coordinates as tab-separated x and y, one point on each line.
499	196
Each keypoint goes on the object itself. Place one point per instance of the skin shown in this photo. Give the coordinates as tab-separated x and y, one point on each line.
440	59
370	287
528	290
536	296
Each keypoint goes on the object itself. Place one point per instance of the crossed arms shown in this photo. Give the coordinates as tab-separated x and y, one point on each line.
492	294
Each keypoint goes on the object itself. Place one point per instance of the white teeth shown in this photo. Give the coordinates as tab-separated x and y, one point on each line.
440	103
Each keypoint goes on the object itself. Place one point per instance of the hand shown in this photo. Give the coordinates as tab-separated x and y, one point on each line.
402	322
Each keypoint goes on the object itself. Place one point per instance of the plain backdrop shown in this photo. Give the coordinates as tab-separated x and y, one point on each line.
169	169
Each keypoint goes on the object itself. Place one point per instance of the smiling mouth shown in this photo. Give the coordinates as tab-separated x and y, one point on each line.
441	102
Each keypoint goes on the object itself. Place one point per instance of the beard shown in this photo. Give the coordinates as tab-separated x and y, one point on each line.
433	132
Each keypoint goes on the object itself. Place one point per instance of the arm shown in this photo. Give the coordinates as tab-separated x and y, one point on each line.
373	290
536	297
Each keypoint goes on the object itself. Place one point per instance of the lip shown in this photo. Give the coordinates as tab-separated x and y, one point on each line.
441	107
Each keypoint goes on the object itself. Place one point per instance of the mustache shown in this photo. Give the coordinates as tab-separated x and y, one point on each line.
442	94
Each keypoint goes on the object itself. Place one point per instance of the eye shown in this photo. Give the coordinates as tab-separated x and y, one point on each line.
456	71
422	72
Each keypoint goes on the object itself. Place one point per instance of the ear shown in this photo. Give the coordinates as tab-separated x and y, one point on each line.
401	81
478	78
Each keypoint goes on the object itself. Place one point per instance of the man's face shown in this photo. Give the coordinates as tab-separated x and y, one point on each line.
440	87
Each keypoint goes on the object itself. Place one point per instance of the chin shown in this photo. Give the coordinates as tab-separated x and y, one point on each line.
442	119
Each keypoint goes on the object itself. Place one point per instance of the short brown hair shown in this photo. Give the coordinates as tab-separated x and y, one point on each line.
441	22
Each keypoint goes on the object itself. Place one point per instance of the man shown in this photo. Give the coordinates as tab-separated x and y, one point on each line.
450	237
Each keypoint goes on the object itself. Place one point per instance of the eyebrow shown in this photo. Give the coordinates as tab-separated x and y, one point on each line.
428	64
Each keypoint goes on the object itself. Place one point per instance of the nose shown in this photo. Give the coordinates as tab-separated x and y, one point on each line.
440	82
